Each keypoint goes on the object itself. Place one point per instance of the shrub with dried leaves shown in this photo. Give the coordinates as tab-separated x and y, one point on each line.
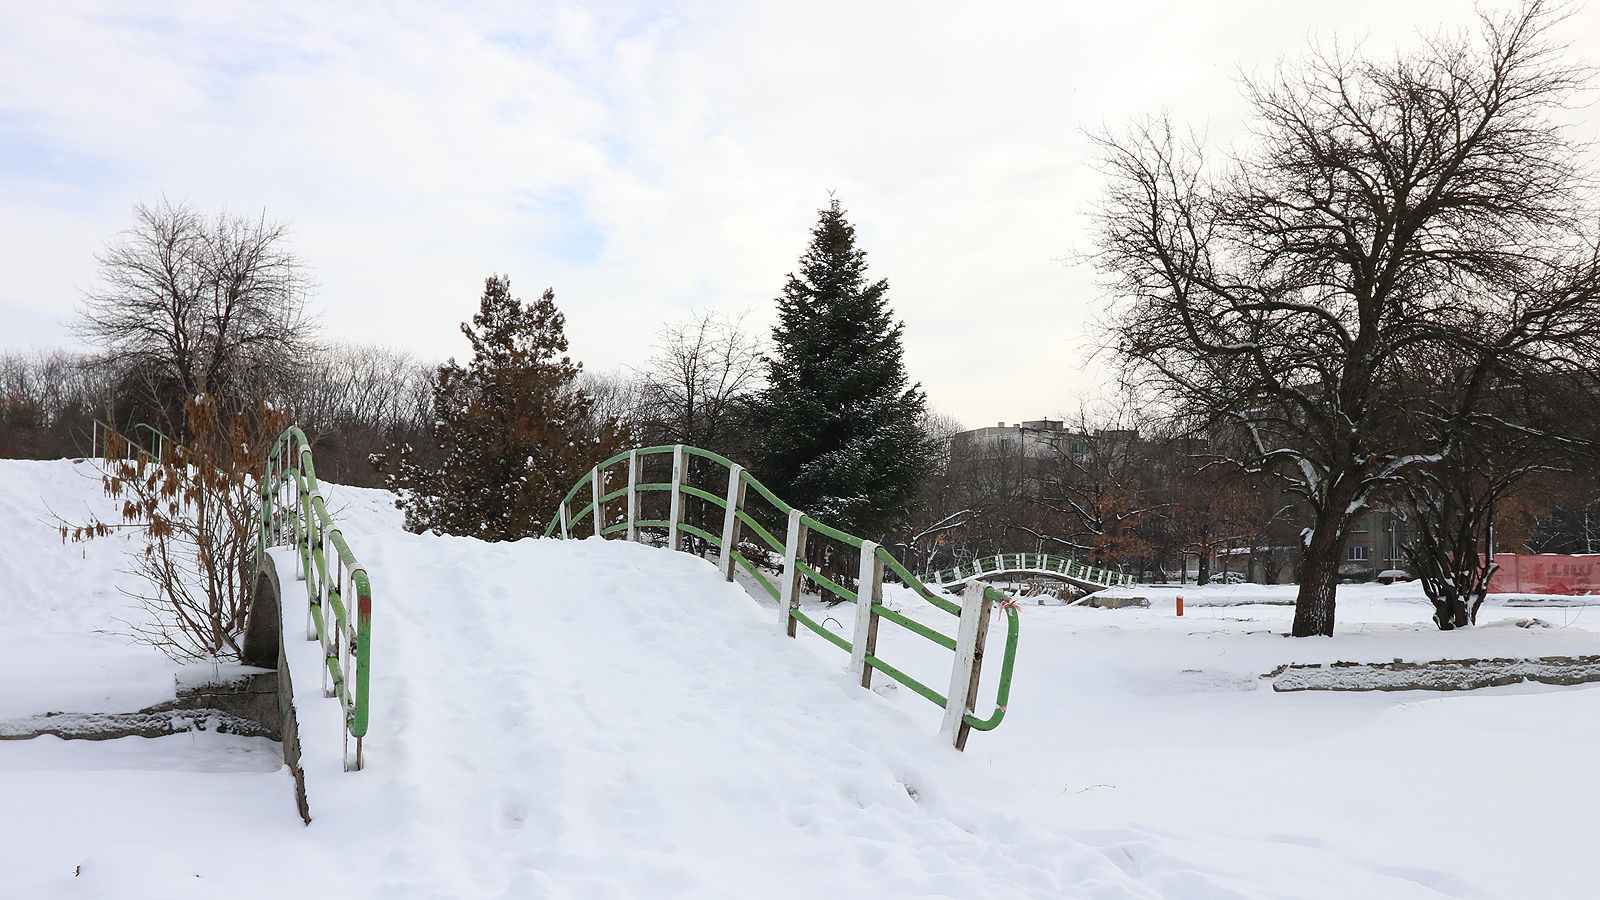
197	503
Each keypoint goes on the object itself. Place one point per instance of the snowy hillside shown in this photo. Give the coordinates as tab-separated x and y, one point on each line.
605	720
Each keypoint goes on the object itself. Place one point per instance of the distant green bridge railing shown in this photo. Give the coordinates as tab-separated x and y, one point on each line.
145	439
612	505
1028	564
293	512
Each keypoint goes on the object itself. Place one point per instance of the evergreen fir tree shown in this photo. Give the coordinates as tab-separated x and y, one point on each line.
838	423
512	427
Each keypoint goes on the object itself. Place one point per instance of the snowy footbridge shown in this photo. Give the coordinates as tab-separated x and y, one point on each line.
1025	564
338	591
681	511
561	718
674	510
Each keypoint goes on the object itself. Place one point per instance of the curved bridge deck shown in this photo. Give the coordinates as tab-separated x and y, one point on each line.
1069	570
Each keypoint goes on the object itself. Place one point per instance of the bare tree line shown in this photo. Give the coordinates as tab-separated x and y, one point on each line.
351	399
48	402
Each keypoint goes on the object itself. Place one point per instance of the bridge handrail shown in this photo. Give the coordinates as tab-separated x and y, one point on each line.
739	527
101	443
293	512
1027	562
290	485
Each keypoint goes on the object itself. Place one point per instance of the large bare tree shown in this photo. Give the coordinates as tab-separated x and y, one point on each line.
1383	209
191	305
695	388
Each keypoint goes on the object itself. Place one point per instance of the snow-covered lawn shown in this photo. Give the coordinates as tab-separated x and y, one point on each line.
605	720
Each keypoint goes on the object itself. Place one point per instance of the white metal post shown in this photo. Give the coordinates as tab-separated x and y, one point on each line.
794	546
633	494
676	512
562	511
968	662
869	590
594	483
730	519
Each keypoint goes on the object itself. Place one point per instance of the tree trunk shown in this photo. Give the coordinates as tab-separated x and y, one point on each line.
1319	575
1478	596
1450	612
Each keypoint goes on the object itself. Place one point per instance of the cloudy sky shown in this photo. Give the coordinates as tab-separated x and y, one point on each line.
643	159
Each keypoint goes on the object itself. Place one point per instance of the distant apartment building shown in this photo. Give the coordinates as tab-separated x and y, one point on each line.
1038	439
1027	453
1376	543
1020	458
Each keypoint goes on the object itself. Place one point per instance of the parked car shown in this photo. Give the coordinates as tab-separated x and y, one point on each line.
1393	576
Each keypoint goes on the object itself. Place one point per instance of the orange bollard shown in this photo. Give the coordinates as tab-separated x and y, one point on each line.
1180	604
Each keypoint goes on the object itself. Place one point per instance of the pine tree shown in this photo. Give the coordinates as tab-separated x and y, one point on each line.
838	423
511	427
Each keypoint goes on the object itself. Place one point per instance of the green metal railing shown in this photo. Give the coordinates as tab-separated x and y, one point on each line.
1028	564
293	512
145	439
741	532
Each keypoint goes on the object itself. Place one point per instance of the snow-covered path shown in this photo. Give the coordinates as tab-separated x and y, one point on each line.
605	720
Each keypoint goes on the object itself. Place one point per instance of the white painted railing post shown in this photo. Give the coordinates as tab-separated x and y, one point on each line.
968	665
869	590
562	509
676	512
633	494
730	519
594	484
794	547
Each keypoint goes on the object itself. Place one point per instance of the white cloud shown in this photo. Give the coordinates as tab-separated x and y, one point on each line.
643	159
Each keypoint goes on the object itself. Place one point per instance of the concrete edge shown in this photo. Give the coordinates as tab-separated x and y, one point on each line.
1437	675
263	636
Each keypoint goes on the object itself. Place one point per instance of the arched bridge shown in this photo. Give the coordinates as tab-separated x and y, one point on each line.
1003	564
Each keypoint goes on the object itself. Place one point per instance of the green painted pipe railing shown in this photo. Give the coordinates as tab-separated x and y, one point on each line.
142	433
293	513
591	507
1028	564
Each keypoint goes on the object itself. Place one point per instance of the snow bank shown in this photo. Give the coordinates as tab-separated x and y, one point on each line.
59	602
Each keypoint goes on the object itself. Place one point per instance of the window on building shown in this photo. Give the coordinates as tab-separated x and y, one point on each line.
1360	554
1359	525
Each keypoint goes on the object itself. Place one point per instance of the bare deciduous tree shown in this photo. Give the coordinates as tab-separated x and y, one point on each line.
1510	432
938	514
694	389
1387	208
193	305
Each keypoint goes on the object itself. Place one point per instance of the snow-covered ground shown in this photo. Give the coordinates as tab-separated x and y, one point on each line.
604	720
